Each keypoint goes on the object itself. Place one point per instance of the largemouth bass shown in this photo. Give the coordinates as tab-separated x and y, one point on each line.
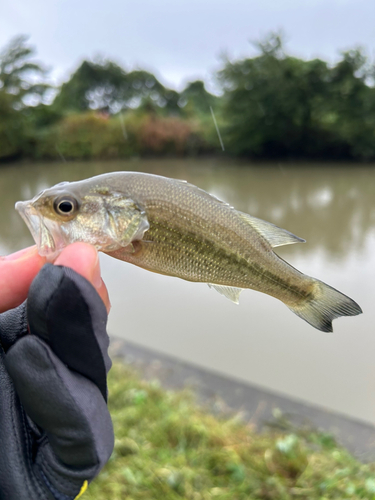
171	227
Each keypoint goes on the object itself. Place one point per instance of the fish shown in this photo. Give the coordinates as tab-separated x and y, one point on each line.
171	227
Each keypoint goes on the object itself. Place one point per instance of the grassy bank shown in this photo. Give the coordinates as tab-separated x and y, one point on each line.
168	448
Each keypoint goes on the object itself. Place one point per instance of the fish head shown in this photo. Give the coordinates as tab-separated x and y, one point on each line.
67	213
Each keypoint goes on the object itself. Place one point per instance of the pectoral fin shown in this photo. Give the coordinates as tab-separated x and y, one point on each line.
127	221
230	292
276	236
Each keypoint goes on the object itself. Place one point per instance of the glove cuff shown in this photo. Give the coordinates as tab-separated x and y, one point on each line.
63	482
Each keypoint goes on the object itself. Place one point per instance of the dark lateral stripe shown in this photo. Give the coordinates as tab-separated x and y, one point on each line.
208	252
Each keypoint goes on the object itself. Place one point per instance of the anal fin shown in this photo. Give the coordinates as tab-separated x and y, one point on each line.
230	292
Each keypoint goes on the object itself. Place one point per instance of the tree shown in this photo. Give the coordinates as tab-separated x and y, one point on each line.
92	86
278	105
195	98
20	77
12	127
21	82
268	100
107	86
351	107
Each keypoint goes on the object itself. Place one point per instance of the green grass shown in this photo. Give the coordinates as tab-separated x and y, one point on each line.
167	448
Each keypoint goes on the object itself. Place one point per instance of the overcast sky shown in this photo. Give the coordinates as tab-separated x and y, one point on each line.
181	40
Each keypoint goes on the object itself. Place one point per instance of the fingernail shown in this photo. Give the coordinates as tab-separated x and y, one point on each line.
96	277
20	254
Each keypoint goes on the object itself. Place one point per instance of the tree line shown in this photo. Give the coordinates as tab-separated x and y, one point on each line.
271	105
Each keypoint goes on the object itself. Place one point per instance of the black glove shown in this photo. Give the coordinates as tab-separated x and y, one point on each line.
55	429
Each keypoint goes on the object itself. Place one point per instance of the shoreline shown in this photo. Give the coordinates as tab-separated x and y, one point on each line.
257	405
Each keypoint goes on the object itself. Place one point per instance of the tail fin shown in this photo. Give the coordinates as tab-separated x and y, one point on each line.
325	305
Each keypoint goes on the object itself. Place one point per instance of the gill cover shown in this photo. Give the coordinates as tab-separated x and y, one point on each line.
126	220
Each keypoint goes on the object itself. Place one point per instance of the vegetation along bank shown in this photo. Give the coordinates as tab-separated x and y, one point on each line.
272	105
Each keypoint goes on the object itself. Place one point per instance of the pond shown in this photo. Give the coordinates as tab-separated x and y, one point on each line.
260	341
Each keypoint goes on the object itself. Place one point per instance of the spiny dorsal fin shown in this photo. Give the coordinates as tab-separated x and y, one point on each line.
276	236
230	292
203	193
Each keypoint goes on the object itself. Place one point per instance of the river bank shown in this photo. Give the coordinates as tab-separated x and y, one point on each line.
258	406
167	447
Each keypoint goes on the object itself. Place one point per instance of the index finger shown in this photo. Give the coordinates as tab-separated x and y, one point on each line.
17	271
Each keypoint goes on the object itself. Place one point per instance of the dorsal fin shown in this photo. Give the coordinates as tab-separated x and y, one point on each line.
230	292
203	193
276	236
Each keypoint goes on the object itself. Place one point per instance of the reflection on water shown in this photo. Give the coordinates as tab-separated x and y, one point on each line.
332	207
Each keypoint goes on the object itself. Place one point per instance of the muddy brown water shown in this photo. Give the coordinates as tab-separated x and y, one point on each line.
260	341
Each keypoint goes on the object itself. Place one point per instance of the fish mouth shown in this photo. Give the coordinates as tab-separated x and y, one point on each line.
46	233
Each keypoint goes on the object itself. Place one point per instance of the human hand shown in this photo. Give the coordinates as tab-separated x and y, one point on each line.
17	271
55	430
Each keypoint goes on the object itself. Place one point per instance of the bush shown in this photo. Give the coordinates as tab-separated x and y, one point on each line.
98	136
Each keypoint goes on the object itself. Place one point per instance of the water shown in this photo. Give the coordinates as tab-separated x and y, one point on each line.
260	341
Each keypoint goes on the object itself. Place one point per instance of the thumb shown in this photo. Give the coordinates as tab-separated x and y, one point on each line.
84	260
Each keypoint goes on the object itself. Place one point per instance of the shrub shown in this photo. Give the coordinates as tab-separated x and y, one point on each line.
98	136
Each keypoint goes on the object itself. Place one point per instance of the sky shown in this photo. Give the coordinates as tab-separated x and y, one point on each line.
182	40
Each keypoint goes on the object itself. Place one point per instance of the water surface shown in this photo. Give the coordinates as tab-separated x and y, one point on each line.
259	341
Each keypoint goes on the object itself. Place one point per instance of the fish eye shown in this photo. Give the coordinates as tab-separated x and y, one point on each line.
65	205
